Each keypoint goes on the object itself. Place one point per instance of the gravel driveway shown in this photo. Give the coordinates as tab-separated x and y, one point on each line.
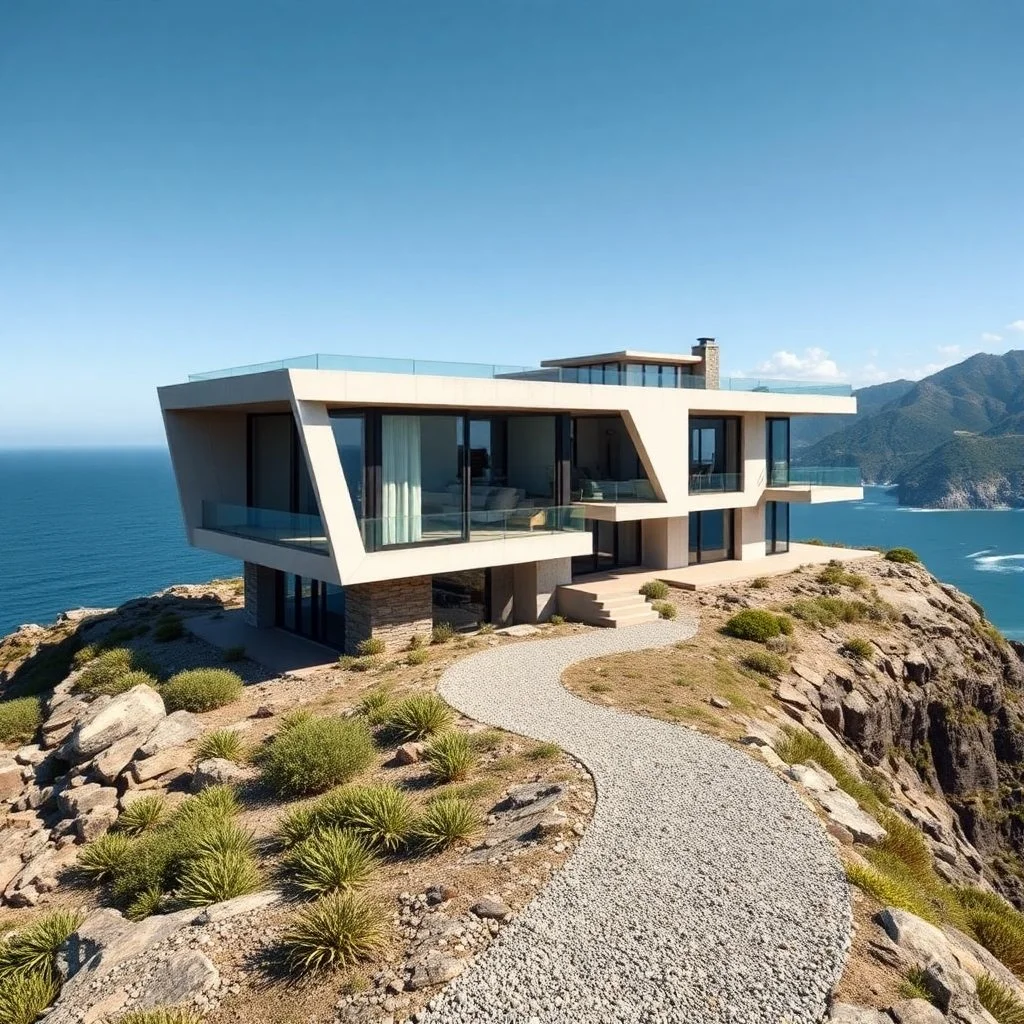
703	891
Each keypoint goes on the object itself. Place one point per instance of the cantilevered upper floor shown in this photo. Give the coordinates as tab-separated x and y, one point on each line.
350	470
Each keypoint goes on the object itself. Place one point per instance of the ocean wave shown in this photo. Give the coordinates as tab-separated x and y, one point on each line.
1000	563
976	554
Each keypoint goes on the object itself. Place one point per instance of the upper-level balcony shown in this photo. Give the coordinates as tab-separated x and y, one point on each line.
784	475
621	375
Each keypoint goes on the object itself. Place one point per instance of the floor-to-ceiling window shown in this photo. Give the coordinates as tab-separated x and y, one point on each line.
350	440
311	608
777	435
711	536
616	546
715	463
776	527
605	463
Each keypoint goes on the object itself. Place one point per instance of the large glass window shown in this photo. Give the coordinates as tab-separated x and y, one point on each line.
778	452
270	461
350	439
605	464
715	454
776	527
711	536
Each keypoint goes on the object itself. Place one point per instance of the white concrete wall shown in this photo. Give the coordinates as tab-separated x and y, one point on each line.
665	542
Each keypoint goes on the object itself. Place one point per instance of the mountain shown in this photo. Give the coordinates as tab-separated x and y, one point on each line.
806	430
968	472
982	395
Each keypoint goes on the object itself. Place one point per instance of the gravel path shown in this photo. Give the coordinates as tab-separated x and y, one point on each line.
703	890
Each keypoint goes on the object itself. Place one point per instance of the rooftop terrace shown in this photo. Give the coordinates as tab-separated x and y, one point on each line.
556	374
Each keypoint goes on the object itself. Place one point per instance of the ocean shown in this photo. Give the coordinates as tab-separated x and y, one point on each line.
96	527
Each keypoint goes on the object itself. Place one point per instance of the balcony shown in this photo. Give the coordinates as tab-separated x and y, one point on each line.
551	374
455	527
614	491
267	525
814	476
706	482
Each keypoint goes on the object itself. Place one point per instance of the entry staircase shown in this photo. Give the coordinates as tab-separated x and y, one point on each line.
614	609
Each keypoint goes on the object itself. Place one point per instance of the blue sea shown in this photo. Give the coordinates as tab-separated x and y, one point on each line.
97	527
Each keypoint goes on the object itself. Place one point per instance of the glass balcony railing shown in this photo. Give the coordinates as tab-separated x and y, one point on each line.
551	374
289	529
710	483
460	527
614	490
814	476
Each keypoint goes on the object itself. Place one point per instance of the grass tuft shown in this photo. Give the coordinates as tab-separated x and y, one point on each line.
442	633
766	663
447	821
20	718
31	951
999	1001
665	609
217	876
337	931
382	816
100	859
142	815
23	997
543	752
225	743
330	860
419	716
450	757
655	590
161	1015
799	746
858	647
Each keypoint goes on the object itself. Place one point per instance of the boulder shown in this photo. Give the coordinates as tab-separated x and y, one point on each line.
847	1013
844	810
534	794
238	906
789	694
719	702
492	909
409	753
95	824
73	803
810	778
916	1011
808	674
136	711
109	764
217	771
11	782
30	754
168	760
177	729
10	868
183	976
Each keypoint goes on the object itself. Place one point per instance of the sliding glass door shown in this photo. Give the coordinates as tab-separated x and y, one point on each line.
715	454
778	452
711	536
776	527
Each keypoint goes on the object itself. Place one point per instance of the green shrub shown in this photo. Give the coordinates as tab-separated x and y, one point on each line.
225	743
330	860
447	821
236	653
375	706
142	815
450	757
366	662
419	716
168	627
798	746
337	931
835	574
293	718
146	904
416	642
655	590
382	816
23	997
316	754
345	662
20	718
371	645
765	662
161	1015
999	1001
1002	936
830	611
905	556
100	859
442	633
32	950
665	609
84	655
543	752
858	647
760	583
557	620
115	671
218	876
417	657
201	689
756	624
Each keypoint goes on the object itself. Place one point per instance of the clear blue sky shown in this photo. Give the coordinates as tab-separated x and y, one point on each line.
188	185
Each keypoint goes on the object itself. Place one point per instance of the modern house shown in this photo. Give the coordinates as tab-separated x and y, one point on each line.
376	497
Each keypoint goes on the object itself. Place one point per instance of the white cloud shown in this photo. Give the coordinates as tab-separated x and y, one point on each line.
948	350
813	364
990	337
1017	325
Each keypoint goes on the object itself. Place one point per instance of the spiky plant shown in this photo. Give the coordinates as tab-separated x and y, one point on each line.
447	821
296	825
225	743
141	815
217	877
450	757
337	931
330	860
100	859
382	816
145	904
23	997
31	951
419	716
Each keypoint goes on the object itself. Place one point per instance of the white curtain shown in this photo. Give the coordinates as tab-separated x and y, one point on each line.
402	504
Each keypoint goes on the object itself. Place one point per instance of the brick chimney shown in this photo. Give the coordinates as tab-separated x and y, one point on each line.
707	349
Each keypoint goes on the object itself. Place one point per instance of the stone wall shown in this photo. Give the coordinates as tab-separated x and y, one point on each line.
259	583
709	352
394	610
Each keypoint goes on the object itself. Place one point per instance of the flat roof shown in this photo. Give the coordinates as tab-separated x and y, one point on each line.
626	356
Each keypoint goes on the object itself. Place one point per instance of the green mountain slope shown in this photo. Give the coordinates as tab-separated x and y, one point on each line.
975	396
807	430
967	472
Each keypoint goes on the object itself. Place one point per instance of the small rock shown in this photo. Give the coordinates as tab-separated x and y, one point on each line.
215	771
95	823
719	702
409	753
492	909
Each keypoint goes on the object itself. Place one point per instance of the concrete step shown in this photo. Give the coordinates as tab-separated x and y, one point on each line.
633	619
620	600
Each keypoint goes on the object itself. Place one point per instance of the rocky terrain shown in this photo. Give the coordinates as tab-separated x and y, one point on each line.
68	784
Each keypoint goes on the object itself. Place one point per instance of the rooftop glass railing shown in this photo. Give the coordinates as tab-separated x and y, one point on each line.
551	374
455	527
288	529
815	476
